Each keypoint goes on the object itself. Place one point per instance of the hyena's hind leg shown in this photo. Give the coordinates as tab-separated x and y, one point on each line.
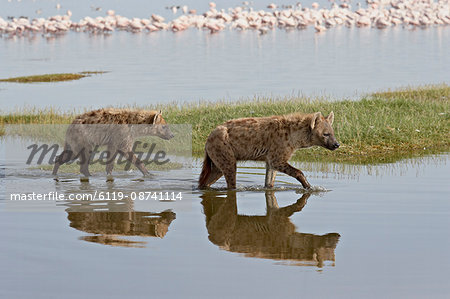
223	157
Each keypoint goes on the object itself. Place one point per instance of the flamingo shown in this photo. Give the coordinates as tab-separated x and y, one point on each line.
379	13
319	28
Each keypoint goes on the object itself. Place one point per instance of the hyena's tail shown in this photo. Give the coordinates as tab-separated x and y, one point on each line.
206	171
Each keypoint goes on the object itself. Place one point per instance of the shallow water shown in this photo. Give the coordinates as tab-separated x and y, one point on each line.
367	236
194	65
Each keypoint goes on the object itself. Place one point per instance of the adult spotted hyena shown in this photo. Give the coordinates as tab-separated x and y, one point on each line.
115	128
271	139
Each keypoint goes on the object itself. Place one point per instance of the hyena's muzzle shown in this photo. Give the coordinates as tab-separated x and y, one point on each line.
332	143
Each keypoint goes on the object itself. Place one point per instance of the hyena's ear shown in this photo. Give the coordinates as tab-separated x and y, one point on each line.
157	118
330	118
314	118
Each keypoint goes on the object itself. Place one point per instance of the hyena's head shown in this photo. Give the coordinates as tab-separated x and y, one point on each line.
322	134
160	127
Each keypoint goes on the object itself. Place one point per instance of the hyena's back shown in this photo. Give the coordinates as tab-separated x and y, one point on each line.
106	126
116	116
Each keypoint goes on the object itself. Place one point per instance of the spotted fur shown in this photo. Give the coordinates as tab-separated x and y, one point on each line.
115	128
271	139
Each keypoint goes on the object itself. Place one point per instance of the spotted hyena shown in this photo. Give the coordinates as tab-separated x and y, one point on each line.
271	139
115	128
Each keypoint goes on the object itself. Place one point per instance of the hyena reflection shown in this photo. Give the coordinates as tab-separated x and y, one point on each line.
111	222
269	236
114	128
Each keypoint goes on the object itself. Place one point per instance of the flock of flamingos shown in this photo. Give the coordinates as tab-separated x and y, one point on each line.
378	13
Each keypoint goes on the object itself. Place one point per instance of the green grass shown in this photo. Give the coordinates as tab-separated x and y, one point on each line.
380	128
51	77
37	116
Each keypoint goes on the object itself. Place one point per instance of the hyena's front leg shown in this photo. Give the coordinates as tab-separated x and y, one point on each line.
293	172
135	160
84	156
112	153
288	211
109	168
270	176
271	202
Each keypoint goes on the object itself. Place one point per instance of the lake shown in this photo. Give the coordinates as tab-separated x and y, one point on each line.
377	230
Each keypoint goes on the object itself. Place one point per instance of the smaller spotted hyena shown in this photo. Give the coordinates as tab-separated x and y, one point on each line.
115	128
271	139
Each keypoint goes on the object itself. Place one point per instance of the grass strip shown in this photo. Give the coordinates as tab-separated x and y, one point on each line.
383	127
51	77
